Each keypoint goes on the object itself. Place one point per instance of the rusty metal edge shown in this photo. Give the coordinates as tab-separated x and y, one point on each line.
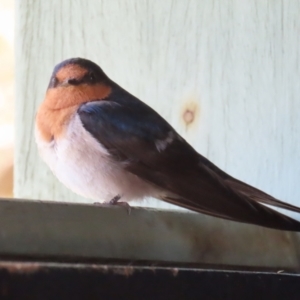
52	280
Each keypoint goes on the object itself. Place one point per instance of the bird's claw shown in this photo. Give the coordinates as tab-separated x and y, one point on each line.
115	201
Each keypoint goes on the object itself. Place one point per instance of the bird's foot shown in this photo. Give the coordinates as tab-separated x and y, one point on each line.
115	201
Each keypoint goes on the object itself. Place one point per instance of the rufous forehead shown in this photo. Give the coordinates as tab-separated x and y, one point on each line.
70	71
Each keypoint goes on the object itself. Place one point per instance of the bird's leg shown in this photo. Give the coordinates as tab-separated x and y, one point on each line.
115	201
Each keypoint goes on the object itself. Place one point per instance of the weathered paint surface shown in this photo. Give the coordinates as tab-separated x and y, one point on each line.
92	232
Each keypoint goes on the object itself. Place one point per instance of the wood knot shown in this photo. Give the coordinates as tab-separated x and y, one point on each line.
188	116
190	113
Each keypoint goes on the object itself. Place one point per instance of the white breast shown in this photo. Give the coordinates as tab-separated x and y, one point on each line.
82	164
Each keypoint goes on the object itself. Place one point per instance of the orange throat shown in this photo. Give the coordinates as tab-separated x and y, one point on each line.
61	104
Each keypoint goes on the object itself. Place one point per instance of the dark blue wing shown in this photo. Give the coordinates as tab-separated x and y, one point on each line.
131	130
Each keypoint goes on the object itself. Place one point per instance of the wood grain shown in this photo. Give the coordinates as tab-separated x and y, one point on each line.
225	74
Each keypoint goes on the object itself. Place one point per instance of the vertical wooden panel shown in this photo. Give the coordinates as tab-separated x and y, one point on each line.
235	63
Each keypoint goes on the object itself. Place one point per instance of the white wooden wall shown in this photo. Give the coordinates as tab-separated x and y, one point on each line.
235	64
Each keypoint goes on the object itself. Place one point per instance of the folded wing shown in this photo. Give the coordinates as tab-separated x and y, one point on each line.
148	147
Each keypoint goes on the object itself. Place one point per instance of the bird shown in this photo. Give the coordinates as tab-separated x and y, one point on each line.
105	144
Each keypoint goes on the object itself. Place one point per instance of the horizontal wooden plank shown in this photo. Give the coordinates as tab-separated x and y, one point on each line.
81	231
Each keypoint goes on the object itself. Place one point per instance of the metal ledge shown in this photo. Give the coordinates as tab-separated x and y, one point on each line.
66	231
41	280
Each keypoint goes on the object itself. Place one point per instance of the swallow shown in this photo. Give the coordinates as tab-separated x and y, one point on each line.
105	144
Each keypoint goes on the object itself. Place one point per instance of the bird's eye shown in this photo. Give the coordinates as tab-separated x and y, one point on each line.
92	76
72	81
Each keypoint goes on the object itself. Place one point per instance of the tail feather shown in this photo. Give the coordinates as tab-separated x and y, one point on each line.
231	200
275	221
259	195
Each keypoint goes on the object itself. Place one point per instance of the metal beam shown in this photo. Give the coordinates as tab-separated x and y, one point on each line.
43	280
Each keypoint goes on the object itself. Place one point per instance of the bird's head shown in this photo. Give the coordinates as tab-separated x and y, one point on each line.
76	81
75	72
73	82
